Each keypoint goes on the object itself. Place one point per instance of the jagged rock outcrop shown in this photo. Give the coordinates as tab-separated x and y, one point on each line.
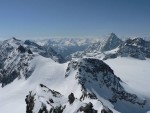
43	99
88	108
29	103
94	74
50	103
71	98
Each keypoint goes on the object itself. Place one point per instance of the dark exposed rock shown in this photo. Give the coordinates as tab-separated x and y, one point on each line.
87	95
57	109
43	109
88	108
71	98
29	51
51	101
21	49
29	103
106	111
54	93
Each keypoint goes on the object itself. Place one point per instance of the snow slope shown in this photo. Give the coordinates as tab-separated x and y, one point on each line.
13	95
52	75
135	73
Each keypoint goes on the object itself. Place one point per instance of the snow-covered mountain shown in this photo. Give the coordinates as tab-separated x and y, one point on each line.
67	46
114	47
43	99
98	49
15	57
34	80
45	51
137	48
79	85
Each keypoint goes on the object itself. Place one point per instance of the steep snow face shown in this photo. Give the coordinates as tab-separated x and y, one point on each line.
134	72
45	71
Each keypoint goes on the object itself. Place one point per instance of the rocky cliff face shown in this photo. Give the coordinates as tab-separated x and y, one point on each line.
15	58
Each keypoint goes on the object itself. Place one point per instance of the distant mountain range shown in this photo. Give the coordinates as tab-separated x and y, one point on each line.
114	47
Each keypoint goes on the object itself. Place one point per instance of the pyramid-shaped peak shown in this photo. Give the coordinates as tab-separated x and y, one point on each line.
112	42
113	35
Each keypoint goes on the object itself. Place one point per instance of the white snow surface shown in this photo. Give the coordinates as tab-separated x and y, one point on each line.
46	71
135	73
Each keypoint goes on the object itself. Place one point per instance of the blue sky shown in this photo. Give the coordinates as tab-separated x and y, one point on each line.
48	18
